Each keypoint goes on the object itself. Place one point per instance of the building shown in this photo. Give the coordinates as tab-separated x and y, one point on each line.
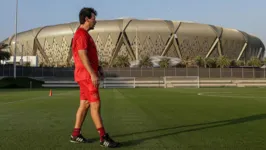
138	38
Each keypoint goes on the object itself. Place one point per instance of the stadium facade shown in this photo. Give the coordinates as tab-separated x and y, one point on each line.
138	38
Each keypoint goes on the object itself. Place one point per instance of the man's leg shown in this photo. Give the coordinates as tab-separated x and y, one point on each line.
80	116
97	119
95	107
76	136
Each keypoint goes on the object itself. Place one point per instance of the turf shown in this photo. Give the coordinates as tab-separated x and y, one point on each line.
200	119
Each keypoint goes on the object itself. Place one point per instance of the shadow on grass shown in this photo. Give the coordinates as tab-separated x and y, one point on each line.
207	125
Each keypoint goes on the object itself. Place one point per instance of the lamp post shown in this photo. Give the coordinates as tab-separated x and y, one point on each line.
21	58
137	50
15	48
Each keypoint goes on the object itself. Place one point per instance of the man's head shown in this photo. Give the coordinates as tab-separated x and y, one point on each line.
87	17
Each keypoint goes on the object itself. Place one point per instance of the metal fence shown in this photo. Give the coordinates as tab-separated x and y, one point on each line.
140	72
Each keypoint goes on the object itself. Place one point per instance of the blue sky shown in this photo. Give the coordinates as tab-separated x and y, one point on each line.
240	14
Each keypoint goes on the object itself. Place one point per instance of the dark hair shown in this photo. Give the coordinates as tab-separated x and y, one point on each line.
86	12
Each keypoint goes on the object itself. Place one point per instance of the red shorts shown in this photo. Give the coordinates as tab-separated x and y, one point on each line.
88	91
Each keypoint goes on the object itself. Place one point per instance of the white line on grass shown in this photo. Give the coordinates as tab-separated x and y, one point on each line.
220	94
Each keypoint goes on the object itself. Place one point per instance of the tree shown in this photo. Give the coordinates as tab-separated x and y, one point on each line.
180	65
42	64
223	62
254	62
199	61
103	63
264	61
210	62
164	63
233	63
237	63
121	61
27	64
2	46
145	62
4	55
186	61
240	63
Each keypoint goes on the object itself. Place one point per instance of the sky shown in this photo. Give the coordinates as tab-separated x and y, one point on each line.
243	15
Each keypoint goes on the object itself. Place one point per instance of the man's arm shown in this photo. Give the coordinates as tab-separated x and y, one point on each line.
85	61
82	46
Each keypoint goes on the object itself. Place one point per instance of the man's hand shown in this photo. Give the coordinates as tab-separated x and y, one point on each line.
95	80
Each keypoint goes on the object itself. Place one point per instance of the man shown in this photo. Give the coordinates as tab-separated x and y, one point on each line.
86	75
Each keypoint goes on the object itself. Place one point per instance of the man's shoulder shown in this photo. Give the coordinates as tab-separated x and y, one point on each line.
80	33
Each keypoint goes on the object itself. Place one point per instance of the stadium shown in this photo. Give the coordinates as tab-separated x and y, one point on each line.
136	39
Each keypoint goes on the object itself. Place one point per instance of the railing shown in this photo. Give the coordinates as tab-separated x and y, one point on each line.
160	82
140	72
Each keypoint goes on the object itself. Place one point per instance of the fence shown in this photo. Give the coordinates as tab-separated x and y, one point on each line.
140	72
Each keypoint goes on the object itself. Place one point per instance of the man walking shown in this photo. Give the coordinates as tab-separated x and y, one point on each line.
86	75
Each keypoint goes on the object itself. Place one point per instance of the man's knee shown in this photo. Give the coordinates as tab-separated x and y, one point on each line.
95	106
84	104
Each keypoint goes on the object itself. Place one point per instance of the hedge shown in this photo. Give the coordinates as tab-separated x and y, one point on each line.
20	82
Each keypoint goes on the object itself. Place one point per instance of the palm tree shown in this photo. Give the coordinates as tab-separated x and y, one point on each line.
164	63
27	64
145	62
240	63
254	62
41	64
199	61
186	61
103	63
264	61
210	62
223	61
180	65
233	63
121	61
2	46
4	55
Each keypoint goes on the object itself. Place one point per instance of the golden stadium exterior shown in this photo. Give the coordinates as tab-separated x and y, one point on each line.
139	38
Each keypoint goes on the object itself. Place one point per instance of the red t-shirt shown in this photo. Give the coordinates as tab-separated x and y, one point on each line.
83	41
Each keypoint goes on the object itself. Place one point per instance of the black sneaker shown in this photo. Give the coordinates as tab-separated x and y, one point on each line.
108	142
78	139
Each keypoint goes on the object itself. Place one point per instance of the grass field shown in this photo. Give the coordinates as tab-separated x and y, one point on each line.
198	119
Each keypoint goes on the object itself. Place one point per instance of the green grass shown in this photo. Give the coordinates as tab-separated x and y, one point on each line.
218	118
